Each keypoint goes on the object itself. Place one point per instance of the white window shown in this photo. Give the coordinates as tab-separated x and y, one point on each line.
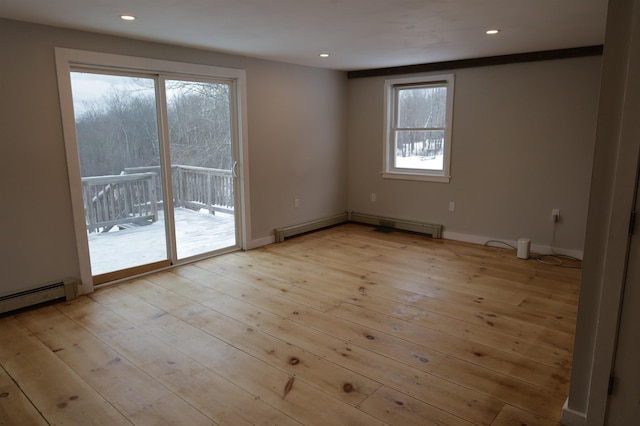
418	114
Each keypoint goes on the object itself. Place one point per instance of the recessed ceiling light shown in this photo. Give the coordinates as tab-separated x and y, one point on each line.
324	55
492	32
127	17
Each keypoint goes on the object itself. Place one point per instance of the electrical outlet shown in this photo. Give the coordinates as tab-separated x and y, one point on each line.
452	206
555	215
374	197
296	202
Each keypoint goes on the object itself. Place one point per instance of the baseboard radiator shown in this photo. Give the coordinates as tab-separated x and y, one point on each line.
431	229
67	289
399	224
290	231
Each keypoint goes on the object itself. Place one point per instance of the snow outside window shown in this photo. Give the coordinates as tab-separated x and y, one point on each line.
418	114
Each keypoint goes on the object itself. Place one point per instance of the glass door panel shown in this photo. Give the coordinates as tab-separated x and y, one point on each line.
200	118
118	146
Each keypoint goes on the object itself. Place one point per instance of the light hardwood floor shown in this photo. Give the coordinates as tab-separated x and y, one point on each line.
346	326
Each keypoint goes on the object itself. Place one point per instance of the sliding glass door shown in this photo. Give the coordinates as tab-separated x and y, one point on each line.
157	159
202	165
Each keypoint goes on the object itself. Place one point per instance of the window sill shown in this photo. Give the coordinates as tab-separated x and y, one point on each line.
414	176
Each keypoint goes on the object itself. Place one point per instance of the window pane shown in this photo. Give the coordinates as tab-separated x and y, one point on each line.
119	151
422	107
419	149
199	115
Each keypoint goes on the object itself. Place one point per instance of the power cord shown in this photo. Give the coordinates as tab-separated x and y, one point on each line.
488	244
557	259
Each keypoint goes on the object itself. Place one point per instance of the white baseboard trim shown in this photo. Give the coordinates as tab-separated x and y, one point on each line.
535	248
455	236
253	244
571	417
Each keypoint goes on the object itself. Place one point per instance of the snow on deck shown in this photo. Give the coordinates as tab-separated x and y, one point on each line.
196	233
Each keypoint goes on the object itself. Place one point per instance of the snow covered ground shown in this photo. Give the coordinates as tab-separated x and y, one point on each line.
421	163
196	233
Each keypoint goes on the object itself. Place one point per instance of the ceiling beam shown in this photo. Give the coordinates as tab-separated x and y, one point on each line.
544	55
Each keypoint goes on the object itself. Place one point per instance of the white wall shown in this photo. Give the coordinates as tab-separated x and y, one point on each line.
297	136
523	139
297	146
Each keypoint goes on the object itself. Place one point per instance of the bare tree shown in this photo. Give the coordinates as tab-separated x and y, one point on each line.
120	130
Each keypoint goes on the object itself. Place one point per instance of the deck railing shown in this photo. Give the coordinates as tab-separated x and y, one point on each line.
118	200
133	196
203	188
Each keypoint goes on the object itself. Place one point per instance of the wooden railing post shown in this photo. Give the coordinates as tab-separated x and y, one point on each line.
210	195
153	197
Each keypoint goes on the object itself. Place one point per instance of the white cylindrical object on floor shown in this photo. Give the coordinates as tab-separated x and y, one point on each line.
523	248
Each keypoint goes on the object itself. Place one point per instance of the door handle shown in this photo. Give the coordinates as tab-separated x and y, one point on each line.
234	169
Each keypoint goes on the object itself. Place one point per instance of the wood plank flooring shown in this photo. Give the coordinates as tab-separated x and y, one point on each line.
346	326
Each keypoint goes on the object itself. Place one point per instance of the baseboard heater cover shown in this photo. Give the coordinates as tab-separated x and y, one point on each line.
67	289
290	231
400	224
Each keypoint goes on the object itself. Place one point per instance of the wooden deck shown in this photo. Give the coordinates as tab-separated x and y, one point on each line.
345	326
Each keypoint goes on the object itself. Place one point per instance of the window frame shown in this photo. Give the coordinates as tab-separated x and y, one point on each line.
391	86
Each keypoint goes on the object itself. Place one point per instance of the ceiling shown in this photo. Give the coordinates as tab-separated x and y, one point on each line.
358	34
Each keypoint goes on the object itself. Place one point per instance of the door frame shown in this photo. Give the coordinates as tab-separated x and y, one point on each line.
622	353
611	203
67	58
